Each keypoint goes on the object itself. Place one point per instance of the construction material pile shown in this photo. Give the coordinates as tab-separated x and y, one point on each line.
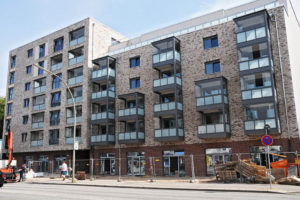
230	171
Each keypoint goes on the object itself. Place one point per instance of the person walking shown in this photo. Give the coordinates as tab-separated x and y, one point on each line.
22	172
64	170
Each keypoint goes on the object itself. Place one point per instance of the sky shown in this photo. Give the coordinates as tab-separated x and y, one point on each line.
23	21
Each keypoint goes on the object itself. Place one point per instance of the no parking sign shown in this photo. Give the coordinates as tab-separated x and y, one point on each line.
267	140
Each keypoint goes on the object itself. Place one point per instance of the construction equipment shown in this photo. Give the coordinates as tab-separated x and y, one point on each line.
10	172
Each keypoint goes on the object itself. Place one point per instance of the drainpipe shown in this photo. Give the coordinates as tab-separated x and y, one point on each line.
283	83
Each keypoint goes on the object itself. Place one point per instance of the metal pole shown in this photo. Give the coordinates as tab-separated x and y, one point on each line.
298	173
92	170
119	178
268	149
151	167
193	169
52	166
74	106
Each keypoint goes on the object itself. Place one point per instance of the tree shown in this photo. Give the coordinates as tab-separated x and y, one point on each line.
2	106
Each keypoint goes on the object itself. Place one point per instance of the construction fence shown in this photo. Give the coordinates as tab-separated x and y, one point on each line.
171	164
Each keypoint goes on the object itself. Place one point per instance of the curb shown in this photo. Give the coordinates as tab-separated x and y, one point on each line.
164	188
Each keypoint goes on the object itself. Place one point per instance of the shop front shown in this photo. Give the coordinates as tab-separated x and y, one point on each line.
173	163
136	163
107	163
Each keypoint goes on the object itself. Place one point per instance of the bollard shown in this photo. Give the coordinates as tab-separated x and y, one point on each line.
92	170
192	180
119	178
151	168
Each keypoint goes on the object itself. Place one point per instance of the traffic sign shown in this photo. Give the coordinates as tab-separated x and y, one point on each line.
267	140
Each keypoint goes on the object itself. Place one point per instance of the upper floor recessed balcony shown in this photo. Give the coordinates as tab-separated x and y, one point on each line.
77	95
131	137
76	56
56	62
166	83
211	94
76	37
167	108
169	134
131	132
102	116
70	140
166	51
75	76
39	86
103	68
131	106
102	95
102	139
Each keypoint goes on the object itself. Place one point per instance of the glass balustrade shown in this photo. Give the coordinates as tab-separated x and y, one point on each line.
70	140
168	132
103	72
213	128
102	94
38	107
210	100
254	64
76	60
131	111
166	81
103	138
76	99
131	136
36	143
37	125
103	115
70	120
39	89
167	106
259	124
75	80
257	93
56	66
162	57
251	35
77	41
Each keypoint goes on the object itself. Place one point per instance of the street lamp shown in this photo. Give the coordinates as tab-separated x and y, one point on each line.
74	131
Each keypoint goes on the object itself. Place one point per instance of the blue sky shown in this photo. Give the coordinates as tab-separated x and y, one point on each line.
23	21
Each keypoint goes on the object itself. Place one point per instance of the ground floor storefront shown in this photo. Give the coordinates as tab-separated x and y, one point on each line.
177	160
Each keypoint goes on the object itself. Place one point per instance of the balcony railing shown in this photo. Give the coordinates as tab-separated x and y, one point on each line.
161	57
131	111
213	128
76	60
209	100
76	99
69	140
75	80
103	138
103	72
166	81
36	143
167	106
38	107
56	66
54	122
254	64
131	136
103	115
259	124
251	35
37	125
77	41
102	94
39	89
70	120
159	133
257	93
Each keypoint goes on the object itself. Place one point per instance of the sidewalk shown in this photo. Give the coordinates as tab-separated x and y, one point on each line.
174	184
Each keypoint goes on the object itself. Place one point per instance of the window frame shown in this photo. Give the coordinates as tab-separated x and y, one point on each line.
137	83
29	85
29	53
137	60
210	39
26	105
213	66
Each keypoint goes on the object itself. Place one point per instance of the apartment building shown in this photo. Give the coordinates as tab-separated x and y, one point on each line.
206	87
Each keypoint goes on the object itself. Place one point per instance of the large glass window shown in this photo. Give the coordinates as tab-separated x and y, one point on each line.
42	50
134	62
250	23
253	52
56	82
40	71
27	86
136	163
10	93
260	111
29	69
53	137
210	42
26	103
135	83
58	44
13	62
55	118
29	53
77	34
55	100
9	108
215	157
256	81
12	78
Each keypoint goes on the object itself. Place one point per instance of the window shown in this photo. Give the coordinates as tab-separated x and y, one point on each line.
134	62
42	50
9	108
114	41
53	137
10	93
212	67
253	52
69	132
211	42
77	34
12	78
26	103
56	82
135	83
55	100
25	119
36	138
27	86
29	69
40	71
55	118
24	137
13	62
8	121
39	102
29	53
58	44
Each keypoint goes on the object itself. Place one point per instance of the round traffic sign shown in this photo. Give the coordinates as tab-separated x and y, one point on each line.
267	140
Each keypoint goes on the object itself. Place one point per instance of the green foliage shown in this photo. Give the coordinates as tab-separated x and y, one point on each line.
2	106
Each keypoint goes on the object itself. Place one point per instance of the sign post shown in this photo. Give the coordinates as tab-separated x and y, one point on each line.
267	140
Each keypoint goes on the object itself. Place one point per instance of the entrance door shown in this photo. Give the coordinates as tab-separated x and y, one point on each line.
136	163
174	163
107	164
43	164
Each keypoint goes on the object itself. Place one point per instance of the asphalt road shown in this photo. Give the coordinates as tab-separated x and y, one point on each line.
24	191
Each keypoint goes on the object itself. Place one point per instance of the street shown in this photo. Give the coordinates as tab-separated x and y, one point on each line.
26	191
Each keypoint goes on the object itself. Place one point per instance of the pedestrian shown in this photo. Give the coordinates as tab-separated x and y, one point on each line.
22	172
64	170
70	171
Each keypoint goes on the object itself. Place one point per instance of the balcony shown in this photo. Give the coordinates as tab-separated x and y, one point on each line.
56	67
103	116
250	35
253	127
102	95
166	83
131	137
70	120
76	99
54	122
171	134
257	93
75	80
38	107
76	41
167	108
37	125
36	143
165	57
103	73
211	100
76	60
103	139
70	140
131	113
40	89
256	64
214	131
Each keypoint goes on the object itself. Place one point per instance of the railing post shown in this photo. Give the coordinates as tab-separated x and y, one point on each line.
192	180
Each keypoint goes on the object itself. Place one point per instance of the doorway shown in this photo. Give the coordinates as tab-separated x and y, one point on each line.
174	163
107	164
136	163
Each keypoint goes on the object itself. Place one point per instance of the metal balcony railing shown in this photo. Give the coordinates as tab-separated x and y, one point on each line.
213	128
77	41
